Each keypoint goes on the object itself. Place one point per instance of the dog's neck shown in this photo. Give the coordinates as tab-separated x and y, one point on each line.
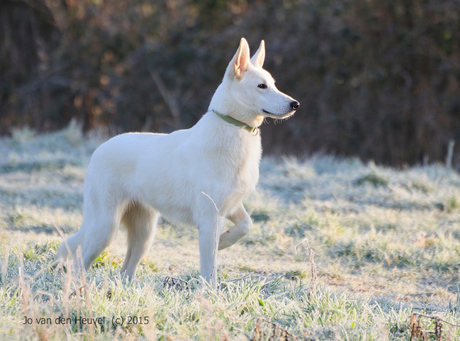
223	102
236	123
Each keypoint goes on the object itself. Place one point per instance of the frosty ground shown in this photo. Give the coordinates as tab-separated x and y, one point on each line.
386	244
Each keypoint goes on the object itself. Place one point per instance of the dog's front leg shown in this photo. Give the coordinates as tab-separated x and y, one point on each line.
209	232
243	225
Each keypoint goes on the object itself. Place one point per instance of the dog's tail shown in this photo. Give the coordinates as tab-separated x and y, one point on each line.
69	246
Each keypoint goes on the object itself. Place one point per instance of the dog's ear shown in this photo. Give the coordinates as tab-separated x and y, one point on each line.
240	61
259	57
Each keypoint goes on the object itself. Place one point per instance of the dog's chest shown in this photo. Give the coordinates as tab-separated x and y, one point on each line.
243	176
248	170
245	162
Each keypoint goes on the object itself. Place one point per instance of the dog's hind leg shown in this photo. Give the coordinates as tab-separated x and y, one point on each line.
68	248
243	225
140	223
95	234
103	231
100	227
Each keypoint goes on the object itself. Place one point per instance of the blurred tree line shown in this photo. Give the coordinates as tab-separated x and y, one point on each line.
375	79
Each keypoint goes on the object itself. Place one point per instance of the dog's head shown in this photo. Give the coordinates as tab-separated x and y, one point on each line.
254	88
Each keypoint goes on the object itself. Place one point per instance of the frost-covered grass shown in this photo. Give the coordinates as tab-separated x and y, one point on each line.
386	243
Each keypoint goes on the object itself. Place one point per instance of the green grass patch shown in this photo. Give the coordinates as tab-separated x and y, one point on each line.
373	179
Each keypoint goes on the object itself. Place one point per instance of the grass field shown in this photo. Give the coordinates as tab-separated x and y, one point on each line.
386	244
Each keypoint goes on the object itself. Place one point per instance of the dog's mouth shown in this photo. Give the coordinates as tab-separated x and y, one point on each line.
272	115
268	112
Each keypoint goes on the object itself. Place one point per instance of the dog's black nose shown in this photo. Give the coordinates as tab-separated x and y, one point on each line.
295	105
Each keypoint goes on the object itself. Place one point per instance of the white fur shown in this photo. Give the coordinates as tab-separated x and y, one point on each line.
135	177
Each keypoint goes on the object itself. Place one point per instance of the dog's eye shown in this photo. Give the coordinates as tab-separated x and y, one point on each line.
262	86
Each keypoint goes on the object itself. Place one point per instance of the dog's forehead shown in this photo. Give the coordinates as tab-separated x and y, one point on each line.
263	74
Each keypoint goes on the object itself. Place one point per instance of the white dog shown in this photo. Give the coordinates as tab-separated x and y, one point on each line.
195	176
